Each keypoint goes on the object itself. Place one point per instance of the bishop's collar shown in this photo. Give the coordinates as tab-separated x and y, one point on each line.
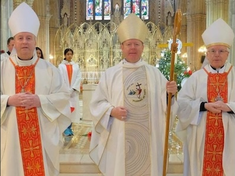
217	70
127	64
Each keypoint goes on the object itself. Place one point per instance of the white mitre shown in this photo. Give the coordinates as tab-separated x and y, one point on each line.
24	19
132	27
218	33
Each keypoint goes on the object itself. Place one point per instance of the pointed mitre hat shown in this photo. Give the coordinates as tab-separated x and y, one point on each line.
218	33
24	19
132	27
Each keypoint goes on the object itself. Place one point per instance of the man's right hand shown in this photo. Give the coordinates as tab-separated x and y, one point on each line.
119	113
213	107
16	100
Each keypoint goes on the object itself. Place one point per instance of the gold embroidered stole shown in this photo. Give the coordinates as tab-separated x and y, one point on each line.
28	125
214	136
137	125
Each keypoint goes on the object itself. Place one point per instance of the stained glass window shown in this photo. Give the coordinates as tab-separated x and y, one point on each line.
98	9
101	9
89	9
139	7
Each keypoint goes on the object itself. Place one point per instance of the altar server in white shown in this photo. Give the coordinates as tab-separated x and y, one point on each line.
129	110
34	104
72	77
207	109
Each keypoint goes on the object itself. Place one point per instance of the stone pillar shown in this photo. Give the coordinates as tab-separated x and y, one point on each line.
216	9
43	36
182	5
231	22
54	25
196	24
5	33
80	12
155	14
42	10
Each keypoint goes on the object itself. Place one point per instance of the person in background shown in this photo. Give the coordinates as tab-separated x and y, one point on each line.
10	45
72	77
39	53
129	108
34	104
207	109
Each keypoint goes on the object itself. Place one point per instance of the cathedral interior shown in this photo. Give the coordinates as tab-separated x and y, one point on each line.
89	27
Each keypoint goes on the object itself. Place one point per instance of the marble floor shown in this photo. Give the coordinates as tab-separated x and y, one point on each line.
75	161
74	158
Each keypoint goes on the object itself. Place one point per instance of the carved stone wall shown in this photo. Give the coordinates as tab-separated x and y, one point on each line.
231	21
196	15
96	46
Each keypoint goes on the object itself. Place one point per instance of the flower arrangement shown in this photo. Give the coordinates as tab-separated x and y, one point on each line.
187	73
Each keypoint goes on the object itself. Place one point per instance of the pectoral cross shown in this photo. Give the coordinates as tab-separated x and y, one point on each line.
219	98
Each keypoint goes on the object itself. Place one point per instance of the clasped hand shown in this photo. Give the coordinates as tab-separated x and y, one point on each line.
217	107
119	113
26	100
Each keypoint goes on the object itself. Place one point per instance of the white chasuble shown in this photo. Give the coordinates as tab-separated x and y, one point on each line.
137	128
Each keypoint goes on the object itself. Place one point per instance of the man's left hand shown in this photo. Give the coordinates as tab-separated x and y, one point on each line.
171	87
31	100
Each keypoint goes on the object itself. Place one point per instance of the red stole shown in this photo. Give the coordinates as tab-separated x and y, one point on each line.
28	124
217	85
69	72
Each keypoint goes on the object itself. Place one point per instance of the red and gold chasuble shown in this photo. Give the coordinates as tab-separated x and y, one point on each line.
217	89
28	124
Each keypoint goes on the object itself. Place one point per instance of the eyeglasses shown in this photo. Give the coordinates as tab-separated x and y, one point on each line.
220	52
129	45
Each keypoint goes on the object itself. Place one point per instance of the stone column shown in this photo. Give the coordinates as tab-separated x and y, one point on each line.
42	10
216	9
155	13
196	24
5	12
80	12
54	25
43	35
182	5
231	22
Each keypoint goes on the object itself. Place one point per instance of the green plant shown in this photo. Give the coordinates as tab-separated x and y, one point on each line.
164	65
